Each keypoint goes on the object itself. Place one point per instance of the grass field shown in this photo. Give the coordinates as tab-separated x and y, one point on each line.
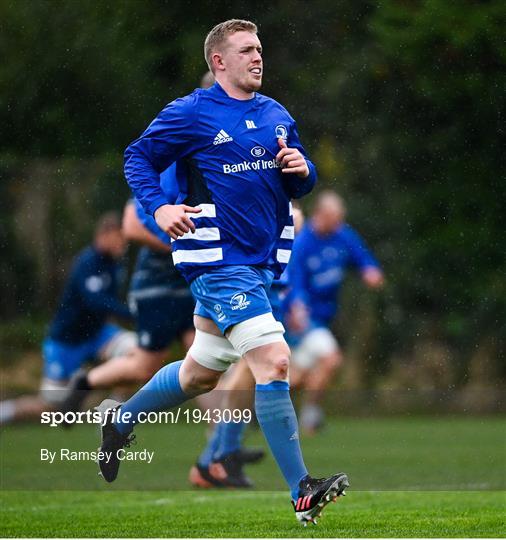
409	477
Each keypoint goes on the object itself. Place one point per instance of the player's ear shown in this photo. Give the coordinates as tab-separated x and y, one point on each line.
217	61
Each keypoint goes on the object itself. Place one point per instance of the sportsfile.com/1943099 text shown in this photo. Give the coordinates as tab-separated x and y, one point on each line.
188	416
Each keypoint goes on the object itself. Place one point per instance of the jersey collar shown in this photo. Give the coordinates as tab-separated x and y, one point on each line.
218	91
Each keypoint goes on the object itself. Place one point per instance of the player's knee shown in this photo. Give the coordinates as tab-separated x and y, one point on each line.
331	362
198	382
279	367
205	385
122	344
274	366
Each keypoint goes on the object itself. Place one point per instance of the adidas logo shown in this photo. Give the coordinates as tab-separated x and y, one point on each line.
294	437
222	137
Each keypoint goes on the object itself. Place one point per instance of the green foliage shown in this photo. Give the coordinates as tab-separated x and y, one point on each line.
401	103
447	60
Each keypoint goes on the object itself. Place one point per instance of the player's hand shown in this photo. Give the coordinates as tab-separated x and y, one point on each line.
291	160
173	219
297	318
373	277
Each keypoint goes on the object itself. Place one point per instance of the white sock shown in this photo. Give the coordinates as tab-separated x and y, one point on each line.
7	411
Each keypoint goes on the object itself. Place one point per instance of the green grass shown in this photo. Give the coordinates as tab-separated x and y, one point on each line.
411	477
251	514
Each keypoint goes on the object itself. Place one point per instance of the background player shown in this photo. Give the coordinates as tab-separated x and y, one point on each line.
160	300
323	251
80	330
159	297
244	163
221	462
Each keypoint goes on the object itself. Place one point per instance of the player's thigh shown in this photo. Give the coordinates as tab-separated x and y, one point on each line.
211	350
146	363
205	324
236	301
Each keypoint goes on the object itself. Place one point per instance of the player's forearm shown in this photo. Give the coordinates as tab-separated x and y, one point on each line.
144	237
135	231
143	178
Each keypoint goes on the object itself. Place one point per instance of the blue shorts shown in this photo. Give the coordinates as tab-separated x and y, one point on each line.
232	294
277	297
62	360
162	318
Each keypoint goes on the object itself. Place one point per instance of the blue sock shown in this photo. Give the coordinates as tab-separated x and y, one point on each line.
230	438
212	446
277	419
163	391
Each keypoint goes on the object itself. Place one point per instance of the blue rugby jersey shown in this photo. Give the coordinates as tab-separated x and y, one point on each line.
154	272
318	266
225	150
169	186
88	299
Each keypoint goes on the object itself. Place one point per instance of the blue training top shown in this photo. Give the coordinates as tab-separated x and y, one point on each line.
90	296
170	188
225	150
318	266
154	271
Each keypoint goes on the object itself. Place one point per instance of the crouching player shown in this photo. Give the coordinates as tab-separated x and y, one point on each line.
80	330
160	300
244	163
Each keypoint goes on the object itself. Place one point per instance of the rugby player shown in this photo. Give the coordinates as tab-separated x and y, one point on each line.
81	330
221	462
323	252
244	162
159	297
160	300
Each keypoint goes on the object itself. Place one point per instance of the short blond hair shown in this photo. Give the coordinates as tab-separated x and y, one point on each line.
221	32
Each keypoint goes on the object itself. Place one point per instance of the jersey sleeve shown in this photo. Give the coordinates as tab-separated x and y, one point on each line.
170	136
297	270
298	187
360	255
94	294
